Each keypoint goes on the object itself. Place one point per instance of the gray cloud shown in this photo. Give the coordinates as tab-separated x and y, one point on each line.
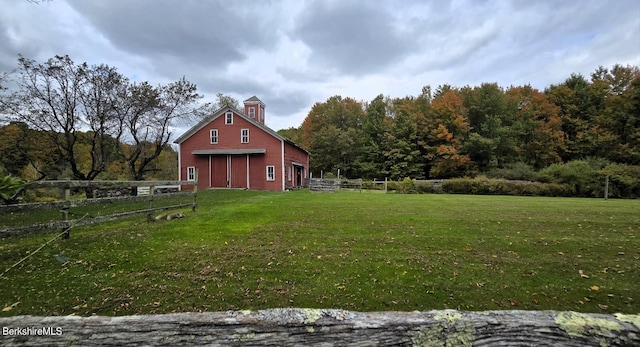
351	37
189	32
293	53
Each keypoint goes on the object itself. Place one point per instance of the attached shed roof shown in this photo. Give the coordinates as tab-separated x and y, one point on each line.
229	151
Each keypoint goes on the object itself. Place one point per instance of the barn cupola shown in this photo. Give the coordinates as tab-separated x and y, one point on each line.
254	108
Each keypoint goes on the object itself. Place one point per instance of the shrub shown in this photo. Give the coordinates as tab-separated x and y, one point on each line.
407	186
585	178
515	171
624	180
427	187
10	189
486	186
458	186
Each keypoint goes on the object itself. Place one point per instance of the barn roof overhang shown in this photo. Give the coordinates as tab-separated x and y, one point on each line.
229	151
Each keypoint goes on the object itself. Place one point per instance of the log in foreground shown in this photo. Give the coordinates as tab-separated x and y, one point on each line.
315	327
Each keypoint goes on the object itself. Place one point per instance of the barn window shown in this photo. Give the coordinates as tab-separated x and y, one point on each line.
214	136
252	112
244	136
271	173
191	173
228	119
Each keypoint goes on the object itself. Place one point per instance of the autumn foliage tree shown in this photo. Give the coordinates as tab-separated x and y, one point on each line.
480	130
449	126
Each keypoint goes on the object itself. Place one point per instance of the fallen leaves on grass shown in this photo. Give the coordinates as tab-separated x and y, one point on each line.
10	307
582	274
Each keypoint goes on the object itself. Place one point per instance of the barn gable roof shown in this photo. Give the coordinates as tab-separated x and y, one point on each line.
220	112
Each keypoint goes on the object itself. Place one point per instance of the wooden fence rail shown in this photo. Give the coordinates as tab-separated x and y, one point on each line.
333	184
145	190
314	327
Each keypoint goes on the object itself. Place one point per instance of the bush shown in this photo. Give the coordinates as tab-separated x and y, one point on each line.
10	189
585	178
486	186
516	171
624	180
427	188
407	186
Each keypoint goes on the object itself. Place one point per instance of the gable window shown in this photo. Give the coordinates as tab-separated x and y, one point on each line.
252	112
244	136
191	173
214	136
271	173
228	118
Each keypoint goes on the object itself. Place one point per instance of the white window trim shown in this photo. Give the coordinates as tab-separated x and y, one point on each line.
289	174
211	136
228	120
272	176
252	112
191	173
242	136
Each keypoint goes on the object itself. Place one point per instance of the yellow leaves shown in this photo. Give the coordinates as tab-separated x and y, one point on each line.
10	307
77	307
595	288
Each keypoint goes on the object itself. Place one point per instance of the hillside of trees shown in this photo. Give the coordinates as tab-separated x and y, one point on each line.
515	132
32	155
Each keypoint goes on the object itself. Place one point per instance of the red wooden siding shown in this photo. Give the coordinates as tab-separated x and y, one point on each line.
231	163
218	171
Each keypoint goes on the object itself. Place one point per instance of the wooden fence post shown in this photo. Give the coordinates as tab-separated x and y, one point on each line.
66	196
151	189
606	187
195	192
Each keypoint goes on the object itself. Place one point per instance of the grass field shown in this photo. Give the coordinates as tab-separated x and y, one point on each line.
357	251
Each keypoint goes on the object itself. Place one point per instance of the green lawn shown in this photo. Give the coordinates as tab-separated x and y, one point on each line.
358	251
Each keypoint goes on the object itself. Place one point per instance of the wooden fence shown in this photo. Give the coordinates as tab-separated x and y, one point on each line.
100	193
333	184
315	327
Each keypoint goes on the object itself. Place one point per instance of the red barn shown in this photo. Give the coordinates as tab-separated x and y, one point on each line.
233	149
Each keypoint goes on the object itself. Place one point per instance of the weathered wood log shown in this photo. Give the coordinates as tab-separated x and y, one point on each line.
63	224
314	327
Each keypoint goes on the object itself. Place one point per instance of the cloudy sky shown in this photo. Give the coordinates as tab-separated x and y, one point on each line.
294	53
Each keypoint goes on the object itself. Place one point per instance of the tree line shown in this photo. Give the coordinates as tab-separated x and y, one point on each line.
61	119
469	131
